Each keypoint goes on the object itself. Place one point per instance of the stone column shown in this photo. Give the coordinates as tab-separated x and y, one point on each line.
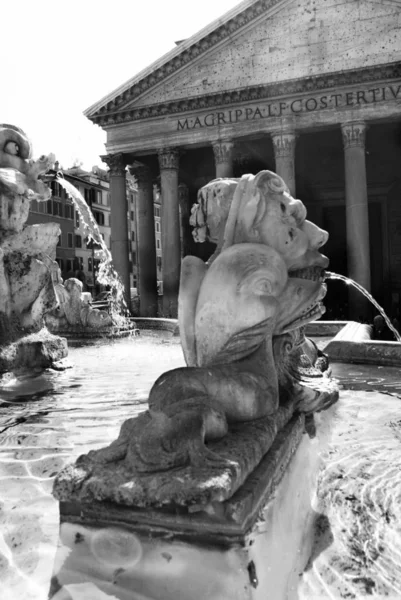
284	153
223	157
120	243
186	235
170	229
146	243
357	214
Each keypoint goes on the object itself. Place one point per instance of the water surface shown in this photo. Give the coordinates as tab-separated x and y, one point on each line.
48	420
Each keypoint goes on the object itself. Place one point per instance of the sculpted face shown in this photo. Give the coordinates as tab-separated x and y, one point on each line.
258	209
268	214
262	211
285	228
15	148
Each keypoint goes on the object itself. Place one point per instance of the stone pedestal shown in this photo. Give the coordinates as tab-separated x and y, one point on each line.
357	215
254	545
284	153
146	244
170	229
223	156
120	242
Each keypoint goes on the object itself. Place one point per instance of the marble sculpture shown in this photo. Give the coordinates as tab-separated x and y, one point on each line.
27	258
73	311
249	368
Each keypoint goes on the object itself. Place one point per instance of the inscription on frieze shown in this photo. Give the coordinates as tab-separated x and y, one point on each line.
292	106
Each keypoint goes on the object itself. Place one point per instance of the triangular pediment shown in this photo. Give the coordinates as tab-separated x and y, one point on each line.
264	42
183	55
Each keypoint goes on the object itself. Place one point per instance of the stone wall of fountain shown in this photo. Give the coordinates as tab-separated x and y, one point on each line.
27	259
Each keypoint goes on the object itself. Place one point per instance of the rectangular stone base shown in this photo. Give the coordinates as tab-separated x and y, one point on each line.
255	548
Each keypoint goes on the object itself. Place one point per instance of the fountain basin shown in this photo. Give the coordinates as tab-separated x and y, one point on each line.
50	419
157	324
347	341
88	333
352	343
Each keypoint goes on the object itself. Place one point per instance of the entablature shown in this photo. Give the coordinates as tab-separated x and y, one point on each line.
364	94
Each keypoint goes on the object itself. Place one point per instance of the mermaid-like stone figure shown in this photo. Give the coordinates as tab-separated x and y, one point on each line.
27	252
265	280
72	311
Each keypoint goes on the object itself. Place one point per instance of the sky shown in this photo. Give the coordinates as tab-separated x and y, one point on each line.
60	57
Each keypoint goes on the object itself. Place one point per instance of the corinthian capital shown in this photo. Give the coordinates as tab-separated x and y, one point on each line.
223	151
169	158
116	163
354	134
284	144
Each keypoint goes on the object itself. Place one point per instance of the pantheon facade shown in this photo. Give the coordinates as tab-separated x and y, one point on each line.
310	89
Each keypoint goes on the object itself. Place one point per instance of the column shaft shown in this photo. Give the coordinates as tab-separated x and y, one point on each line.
284	153
119	220
186	231
223	156
357	213
170	229
146	244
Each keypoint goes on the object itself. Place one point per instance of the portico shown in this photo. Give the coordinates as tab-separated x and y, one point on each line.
314	115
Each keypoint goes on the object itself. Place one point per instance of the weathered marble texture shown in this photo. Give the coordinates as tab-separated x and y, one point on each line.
73	310
209	214
329	37
27	255
265	281
36	239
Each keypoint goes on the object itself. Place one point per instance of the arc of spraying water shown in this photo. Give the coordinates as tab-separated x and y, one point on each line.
107	275
360	288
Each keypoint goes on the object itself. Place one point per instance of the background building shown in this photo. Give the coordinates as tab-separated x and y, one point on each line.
59	209
319	102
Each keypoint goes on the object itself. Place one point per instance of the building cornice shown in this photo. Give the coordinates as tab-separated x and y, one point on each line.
291	87
182	55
